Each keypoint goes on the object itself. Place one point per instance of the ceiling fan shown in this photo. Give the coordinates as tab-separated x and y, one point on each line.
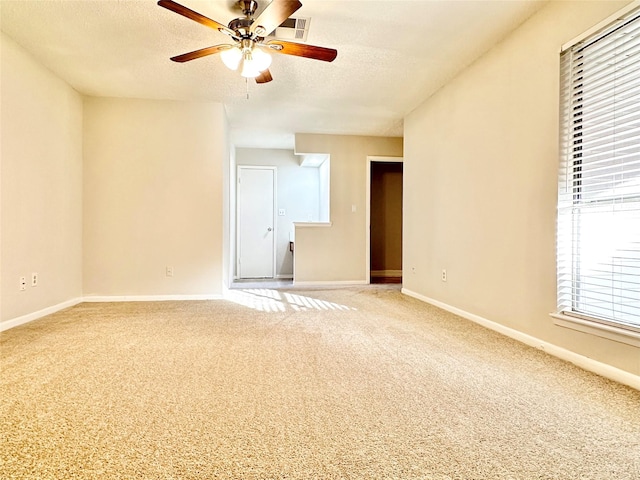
249	51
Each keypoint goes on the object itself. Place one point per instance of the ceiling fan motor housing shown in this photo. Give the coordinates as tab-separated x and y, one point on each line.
241	26
248	7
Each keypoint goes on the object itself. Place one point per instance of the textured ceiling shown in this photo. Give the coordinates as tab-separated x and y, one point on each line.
392	55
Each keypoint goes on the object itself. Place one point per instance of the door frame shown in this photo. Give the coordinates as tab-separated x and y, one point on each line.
274	222
370	160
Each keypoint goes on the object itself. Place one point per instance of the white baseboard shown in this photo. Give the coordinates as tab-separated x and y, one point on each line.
340	283
602	369
386	273
148	298
277	277
14	322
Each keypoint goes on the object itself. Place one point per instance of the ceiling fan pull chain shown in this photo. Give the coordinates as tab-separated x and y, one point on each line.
246	80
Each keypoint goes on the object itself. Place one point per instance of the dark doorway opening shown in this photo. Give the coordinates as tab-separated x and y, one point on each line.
386	222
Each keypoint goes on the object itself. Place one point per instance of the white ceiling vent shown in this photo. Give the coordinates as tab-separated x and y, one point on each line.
293	28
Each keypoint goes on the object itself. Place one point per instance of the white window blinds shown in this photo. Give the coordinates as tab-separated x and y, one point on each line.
599	181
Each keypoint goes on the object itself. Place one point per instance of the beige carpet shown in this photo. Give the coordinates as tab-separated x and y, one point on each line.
359	383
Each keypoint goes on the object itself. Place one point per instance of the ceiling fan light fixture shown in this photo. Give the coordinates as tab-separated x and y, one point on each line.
248	70
261	58
231	57
254	61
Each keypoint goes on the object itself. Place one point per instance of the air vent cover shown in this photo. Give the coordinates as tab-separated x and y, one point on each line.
293	28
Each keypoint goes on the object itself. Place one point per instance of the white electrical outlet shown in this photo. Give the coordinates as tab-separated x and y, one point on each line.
281	212
169	271
444	275
34	279
23	283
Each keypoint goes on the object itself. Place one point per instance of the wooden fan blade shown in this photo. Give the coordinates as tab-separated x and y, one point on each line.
303	50
195	16
264	77
272	16
203	52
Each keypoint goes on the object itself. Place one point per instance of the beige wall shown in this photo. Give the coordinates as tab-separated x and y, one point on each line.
298	193
481	159
41	189
153	197
337	253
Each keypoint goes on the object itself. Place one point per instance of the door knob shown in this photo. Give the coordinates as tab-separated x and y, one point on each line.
269	229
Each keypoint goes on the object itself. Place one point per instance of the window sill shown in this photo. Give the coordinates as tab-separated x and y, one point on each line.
610	332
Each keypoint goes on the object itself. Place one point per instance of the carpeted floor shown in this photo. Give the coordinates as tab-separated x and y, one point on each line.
356	383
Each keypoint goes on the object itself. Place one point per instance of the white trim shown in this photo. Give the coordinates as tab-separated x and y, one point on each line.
386	273
601	25
14	322
367	223
312	224
149	298
610	332
581	361
339	283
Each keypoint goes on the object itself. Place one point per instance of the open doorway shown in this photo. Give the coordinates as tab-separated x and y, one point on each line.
385	220
256	222
301	193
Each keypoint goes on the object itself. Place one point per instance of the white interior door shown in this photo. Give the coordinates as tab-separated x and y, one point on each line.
256	222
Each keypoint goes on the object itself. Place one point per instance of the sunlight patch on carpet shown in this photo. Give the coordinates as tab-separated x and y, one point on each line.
267	300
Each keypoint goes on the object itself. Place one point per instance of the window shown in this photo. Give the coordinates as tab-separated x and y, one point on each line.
599	180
